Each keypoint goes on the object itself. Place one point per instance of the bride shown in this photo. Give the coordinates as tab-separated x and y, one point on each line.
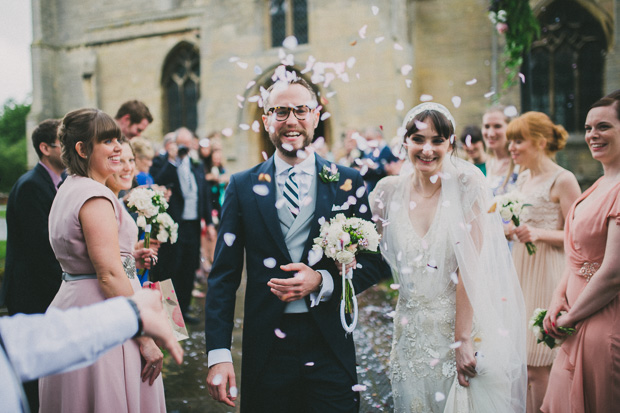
459	328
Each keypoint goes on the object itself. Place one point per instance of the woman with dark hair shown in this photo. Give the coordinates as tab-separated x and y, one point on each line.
474	147
458	329
550	190
585	373
93	238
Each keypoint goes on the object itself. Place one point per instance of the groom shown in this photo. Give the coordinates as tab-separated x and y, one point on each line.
296	355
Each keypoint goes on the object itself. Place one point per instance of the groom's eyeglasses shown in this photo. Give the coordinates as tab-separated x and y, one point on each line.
283	112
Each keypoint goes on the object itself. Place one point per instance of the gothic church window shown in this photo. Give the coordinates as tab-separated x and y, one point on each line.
288	18
564	69
181	87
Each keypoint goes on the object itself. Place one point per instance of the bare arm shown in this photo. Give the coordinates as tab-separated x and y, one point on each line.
465	360
565	191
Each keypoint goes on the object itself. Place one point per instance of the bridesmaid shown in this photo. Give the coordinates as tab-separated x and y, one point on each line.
500	170
92	237
551	190
585	376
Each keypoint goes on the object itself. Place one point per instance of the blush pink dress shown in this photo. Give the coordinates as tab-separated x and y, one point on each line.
585	377
113	384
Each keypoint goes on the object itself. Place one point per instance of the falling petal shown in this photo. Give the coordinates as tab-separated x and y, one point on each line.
404	70
217	379
362	31
399	257
358	387
287	147
350	62
522	77
244	126
331	94
511	111
391	314
229	238
468	140
260	189
400	105
456	344
397	46
375	10
445	204
456	101
280	203
363	209
269	262
307	201
233	59
426	98
360	191
404	321
265	156
408	83
227	132
433	362
309	364
290	42
242	65
258	70
394	286
279	333
439	396
233	391
400	132
347	185
256	126
353	43
325	115
454	277
314	256
420	125
254	98
412	205
379	39
489	94
250	84
301	154
471	82
240	98
434	178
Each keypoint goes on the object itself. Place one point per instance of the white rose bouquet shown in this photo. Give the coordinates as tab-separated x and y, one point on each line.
536	325
148	203
510	207
341	239
164	228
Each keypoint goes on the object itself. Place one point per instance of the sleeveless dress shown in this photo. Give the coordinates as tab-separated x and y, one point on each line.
496	182
112	384
540	273
585	377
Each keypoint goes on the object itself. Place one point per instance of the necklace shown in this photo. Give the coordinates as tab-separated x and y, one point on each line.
427	196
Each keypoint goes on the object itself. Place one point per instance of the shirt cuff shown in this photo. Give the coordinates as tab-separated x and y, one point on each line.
219	355
326	291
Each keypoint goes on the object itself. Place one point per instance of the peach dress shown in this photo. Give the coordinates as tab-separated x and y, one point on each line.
585	376
113	383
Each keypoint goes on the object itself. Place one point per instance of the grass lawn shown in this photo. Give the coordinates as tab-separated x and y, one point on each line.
2	258
3	213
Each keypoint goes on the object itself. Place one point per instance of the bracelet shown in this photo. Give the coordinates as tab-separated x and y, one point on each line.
140	331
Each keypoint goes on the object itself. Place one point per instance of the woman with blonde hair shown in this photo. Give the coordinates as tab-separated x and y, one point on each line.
550	190
500	170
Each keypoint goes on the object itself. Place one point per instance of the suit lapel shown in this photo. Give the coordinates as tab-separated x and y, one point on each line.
325	195
267	203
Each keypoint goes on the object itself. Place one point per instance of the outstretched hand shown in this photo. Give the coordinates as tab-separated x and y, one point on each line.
305	281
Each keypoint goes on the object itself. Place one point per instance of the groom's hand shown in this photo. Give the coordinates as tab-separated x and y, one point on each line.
305	281
218	378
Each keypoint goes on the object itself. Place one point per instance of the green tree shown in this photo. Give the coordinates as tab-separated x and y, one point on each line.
13	158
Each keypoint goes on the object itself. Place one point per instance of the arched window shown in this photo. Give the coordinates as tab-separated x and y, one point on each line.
564	69
288	18
181	87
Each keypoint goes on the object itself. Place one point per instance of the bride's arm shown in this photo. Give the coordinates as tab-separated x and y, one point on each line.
465	360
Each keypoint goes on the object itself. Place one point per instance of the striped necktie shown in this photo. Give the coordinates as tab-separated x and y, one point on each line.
291	193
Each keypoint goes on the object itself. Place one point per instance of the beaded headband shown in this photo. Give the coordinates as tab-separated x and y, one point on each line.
437	107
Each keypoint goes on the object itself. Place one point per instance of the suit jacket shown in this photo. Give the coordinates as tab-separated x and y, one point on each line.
32	275
251	217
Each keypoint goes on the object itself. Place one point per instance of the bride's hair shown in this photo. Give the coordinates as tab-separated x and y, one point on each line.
536	126
440	122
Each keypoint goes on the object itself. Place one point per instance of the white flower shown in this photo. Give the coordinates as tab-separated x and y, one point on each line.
344	257
141	221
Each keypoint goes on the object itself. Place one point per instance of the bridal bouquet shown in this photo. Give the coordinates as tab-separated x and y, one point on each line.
510	207
341	239
164	228
536	325
148	203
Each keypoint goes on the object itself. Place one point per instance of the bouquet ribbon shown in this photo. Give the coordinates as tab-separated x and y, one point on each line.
348	302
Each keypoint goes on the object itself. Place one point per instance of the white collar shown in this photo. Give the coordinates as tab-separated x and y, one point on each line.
307	166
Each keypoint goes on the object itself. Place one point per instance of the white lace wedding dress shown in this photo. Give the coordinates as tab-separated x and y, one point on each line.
422	362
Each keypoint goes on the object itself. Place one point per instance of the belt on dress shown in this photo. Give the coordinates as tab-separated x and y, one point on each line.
77	277
588	269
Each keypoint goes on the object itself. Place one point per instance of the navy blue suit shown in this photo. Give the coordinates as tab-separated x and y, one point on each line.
253	219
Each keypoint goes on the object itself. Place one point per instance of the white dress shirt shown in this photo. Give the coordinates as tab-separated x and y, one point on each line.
58	341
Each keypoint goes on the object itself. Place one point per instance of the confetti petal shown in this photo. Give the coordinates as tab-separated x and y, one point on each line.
439	396
244	126
233	391
347	185
400	105
408	83
350	62
375	10
511	111
229	238
397	46
360	191
394	286
217	379
434	362
279	333
456	344
404	70
325	115
454	277
379	39
362	31
290	42
456	101
471	82
314	256
227	132
309	364
242	65
358	387
363	209
269	262
260	189
426	98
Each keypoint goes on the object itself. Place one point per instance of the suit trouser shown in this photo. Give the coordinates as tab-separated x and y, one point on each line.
187	261
302	374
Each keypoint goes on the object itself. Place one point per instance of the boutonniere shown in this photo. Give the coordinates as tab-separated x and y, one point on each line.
329	174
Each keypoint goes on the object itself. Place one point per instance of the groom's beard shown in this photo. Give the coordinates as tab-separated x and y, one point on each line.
277	142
